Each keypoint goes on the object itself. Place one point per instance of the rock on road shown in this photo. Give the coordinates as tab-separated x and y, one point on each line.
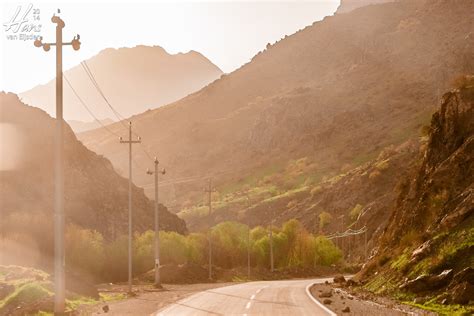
253	298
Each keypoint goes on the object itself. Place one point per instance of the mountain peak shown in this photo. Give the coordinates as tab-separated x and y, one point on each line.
350	5
134	78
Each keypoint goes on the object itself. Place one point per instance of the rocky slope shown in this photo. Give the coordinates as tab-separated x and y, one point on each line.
339	90
134	79
426	252
96	197
354	198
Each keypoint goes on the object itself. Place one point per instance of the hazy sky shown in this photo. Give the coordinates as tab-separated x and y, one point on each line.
229	33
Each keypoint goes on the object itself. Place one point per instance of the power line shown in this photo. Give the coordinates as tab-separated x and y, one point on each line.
99	90
83	103
117	114
87	108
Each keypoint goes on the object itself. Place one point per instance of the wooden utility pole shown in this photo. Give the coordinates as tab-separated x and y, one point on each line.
157	225
59	258
248	239
209	191
271	241
130	142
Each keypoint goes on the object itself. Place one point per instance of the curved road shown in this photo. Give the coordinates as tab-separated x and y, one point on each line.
253	298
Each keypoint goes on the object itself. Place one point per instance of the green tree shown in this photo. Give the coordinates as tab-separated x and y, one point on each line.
85	250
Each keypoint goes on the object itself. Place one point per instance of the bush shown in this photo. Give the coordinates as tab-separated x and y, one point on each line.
293	246
325	252
355	212
85	250
324	219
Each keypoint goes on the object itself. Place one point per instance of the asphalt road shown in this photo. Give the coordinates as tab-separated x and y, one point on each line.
253	298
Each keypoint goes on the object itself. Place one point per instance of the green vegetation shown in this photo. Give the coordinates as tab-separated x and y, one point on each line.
293	247
355	212
268	185
30	286
451	310
324	219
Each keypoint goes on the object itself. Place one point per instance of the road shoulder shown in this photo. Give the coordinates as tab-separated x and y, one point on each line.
147	300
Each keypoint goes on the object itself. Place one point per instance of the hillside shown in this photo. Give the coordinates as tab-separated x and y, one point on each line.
96	197
80	126
426	252
337	92
134	79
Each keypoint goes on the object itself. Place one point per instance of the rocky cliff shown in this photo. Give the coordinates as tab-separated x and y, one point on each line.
427	249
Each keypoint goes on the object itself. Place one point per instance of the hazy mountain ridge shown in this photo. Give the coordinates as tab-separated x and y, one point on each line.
96	197
134	79
332	92
80	126
350	5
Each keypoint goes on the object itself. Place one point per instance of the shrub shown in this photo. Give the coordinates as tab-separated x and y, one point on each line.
316	190
355	212
85	250
292	204
325	252
324	219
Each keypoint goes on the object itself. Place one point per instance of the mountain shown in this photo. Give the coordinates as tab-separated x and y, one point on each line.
96	197
426	251
134	79
80	126
337	93
350	5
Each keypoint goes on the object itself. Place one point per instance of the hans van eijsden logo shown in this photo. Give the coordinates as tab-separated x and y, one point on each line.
24	24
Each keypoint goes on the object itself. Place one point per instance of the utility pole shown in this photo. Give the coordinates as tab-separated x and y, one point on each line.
59	258
157	226
130	142
271	241
209	191
248	240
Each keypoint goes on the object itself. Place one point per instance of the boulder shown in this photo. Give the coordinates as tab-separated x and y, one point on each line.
352	282
327	293
339	279
462	293
466	274
346	309
327	301
428	282
421	251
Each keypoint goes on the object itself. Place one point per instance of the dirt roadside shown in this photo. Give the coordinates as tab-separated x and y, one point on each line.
343	303
147	299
